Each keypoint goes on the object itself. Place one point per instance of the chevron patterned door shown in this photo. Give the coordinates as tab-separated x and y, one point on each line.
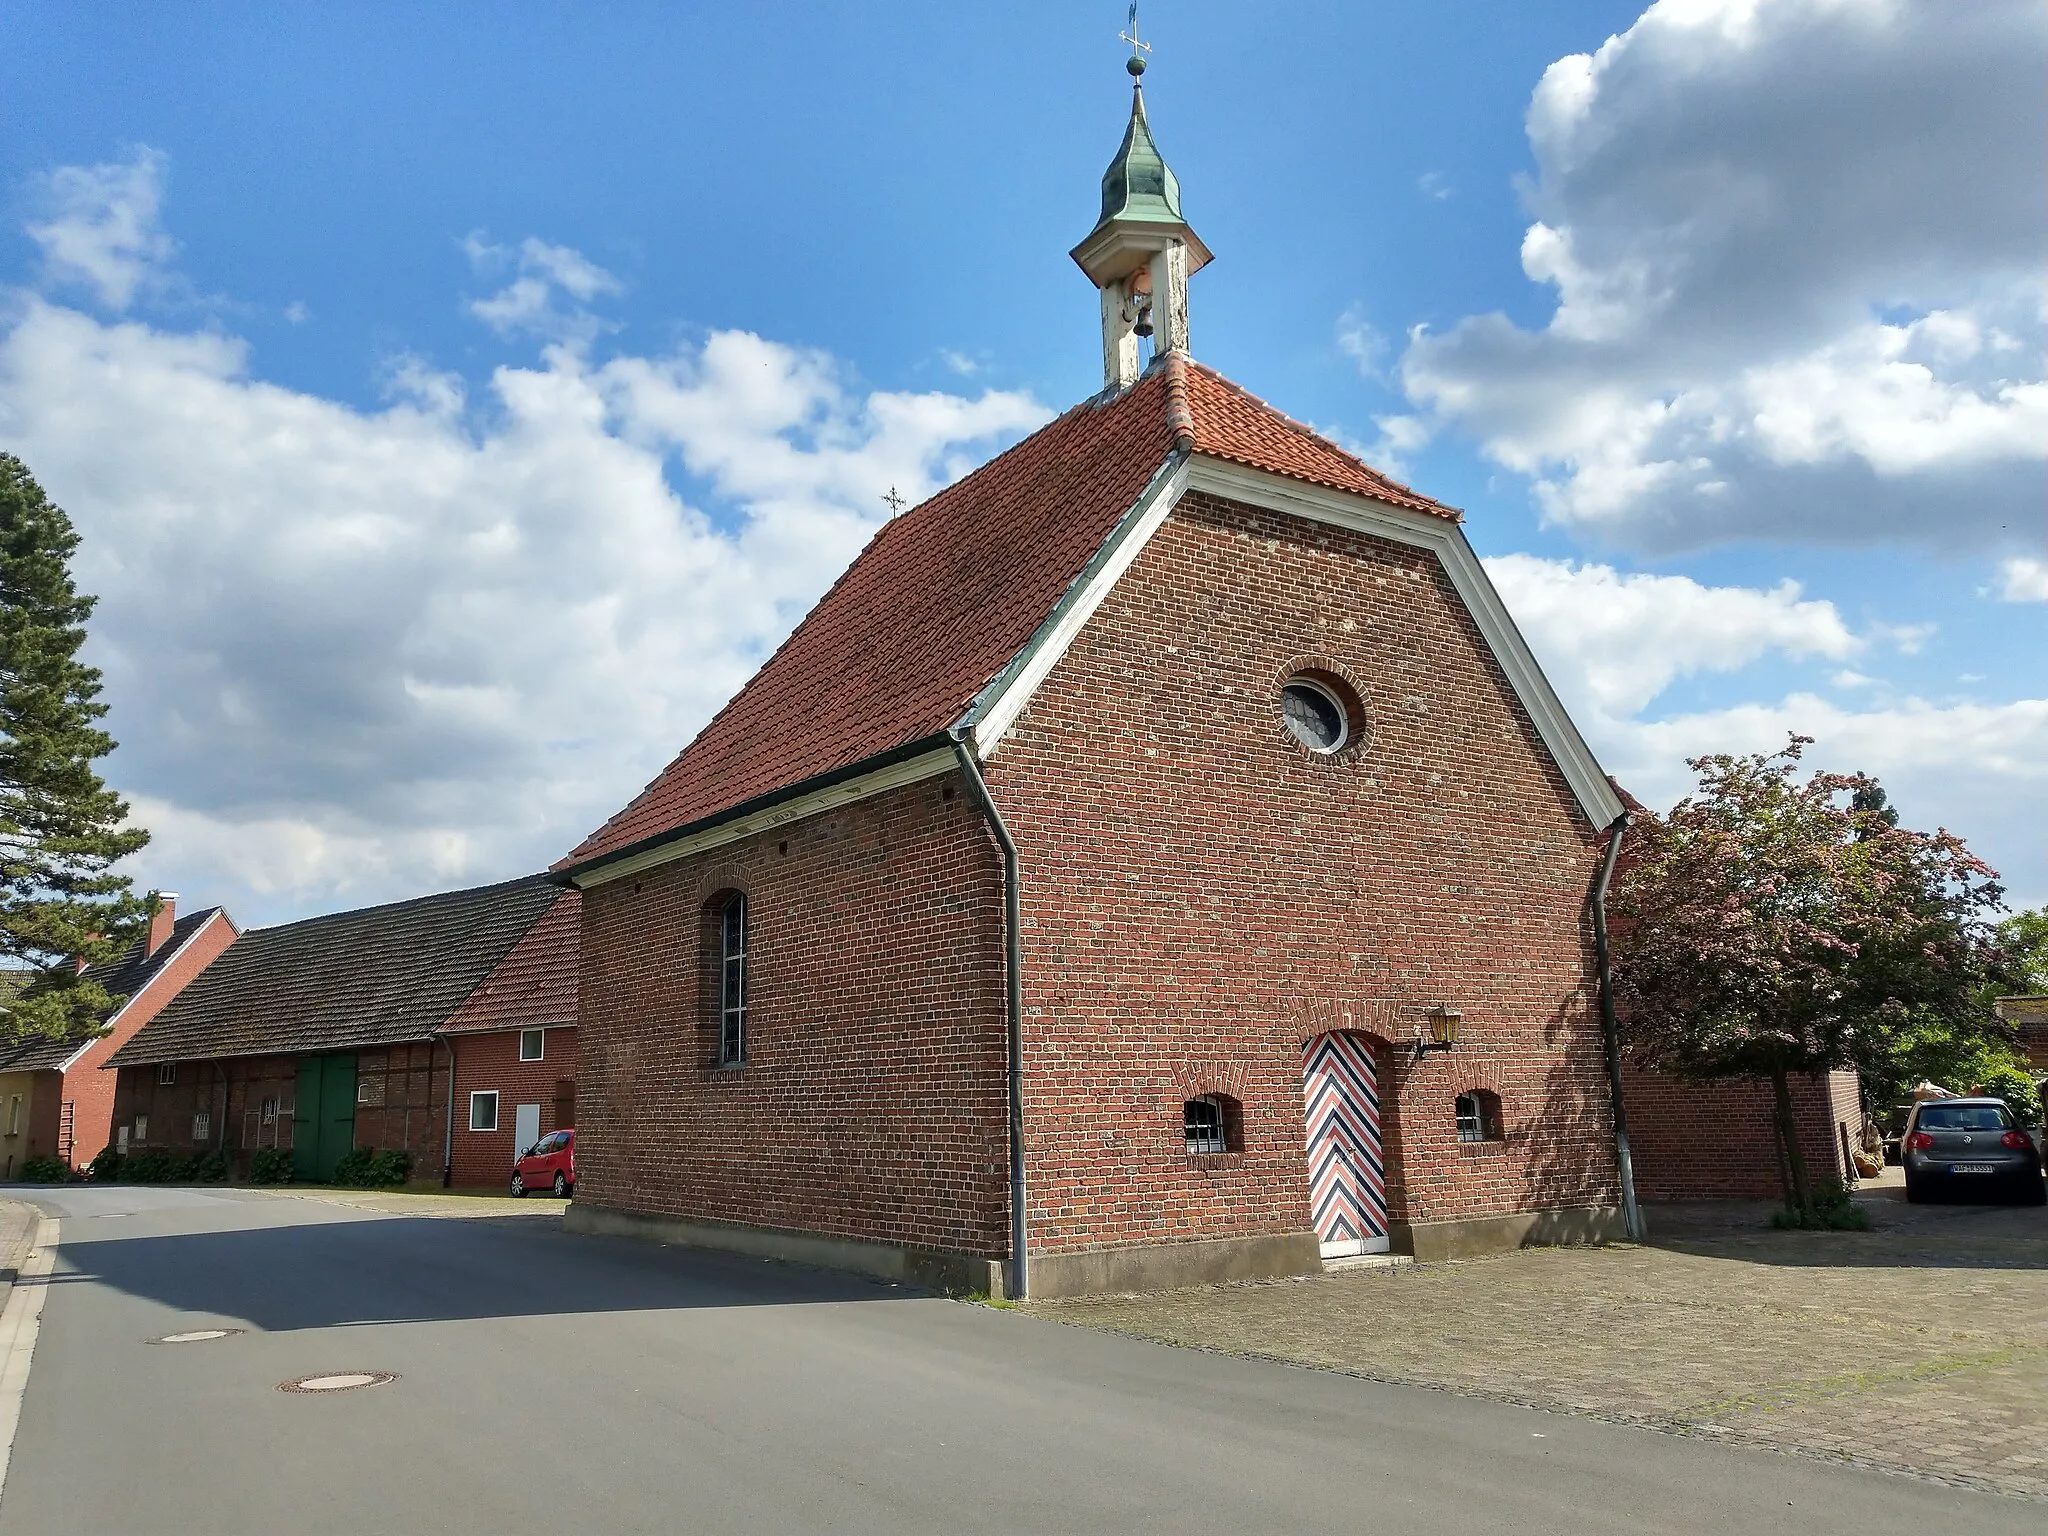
1347	1180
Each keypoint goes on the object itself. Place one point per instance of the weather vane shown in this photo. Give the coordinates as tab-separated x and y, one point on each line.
1137	62
896	503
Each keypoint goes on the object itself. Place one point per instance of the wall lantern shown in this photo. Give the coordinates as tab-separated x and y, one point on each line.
1443	1030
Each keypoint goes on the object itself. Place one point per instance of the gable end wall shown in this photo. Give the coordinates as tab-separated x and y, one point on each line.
1201	896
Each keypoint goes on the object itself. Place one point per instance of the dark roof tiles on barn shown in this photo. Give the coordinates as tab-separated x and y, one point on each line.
947	594
350	980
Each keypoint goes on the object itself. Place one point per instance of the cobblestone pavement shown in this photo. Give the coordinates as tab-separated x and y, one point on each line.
1920	1346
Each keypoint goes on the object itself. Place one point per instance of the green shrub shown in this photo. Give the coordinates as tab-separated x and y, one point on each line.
154	1166
270	1165
367	1168
45	1170
210	1169
105	1168
391	1166
1833	1210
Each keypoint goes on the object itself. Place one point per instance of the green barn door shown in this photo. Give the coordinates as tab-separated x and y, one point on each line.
323	1116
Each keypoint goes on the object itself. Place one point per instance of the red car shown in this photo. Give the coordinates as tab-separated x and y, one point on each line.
548	1164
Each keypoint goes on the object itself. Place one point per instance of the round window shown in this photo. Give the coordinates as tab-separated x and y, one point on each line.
1314	716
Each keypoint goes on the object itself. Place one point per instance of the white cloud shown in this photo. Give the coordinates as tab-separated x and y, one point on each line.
2022	580
102	231
1624	639
1783	306
1613	644
357	654
527	304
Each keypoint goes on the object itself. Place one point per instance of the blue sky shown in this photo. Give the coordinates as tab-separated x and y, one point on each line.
458	403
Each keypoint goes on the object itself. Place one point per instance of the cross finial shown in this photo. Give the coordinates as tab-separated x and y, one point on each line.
1136	63
896	502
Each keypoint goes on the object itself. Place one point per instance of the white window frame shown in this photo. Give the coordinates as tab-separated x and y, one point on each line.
202	1127
166	1073
14	1115
475	1097
540	1044
142	1128
732	982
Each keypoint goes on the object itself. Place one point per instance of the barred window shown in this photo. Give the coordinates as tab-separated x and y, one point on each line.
732	982
1478	1116
202	1126
1202	1124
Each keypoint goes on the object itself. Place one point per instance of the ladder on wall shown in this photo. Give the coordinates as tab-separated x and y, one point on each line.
67	1119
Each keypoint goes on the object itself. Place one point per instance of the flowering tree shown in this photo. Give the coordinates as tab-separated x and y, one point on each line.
1772	928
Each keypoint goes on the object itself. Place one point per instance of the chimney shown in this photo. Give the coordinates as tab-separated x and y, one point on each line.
165	919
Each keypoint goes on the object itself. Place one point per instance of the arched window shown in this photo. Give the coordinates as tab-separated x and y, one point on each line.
1479	1116
1212	1123
732	980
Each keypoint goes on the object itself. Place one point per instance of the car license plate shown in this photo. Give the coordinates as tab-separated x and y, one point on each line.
1969	1168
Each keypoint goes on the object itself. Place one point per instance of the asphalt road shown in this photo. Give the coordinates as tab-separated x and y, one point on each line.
549	1383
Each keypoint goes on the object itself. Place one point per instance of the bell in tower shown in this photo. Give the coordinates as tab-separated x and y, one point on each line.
1141	252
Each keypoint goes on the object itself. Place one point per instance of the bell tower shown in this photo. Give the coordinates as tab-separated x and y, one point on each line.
1141	252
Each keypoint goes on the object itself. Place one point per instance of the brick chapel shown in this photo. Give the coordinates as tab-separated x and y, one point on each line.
1157	859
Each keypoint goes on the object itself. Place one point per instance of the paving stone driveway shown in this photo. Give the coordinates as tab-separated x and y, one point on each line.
1920	1346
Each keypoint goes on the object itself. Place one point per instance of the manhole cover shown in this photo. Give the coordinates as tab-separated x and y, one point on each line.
197	1336
337	1381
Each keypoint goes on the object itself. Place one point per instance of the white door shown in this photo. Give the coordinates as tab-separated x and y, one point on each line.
525	1128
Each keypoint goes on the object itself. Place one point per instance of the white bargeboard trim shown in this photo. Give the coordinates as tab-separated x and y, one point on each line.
996	713
924	766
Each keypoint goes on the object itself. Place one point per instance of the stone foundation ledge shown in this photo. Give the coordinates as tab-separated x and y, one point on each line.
1086	1272
937	1268
1471	1236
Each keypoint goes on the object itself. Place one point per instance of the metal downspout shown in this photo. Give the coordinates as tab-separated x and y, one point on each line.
1623	1162
448	1128
1013	972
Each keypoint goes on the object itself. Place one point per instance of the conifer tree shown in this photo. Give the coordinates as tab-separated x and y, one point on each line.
61	829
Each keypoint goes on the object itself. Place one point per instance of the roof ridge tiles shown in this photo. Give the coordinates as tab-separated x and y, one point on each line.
1402	492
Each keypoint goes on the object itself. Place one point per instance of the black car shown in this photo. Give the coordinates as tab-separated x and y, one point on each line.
1971	1149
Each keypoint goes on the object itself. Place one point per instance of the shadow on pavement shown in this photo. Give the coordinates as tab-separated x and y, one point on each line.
327	1274
1901	1236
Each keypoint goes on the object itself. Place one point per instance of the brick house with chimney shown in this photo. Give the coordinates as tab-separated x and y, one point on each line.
55	1098
1084	892
325	1035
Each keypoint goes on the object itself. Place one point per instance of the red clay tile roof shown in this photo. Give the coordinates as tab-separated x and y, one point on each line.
1234	424
535	983
945	595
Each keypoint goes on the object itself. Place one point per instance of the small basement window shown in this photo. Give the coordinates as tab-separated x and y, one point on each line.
483	1110
1211	1124
532	1043
167	1072
1479	1116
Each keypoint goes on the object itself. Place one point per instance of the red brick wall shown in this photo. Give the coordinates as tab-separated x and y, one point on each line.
491	1061
1695	1141
1202	896
872	1101
89	1085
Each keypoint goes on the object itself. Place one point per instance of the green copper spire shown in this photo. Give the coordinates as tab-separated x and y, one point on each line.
1138	185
